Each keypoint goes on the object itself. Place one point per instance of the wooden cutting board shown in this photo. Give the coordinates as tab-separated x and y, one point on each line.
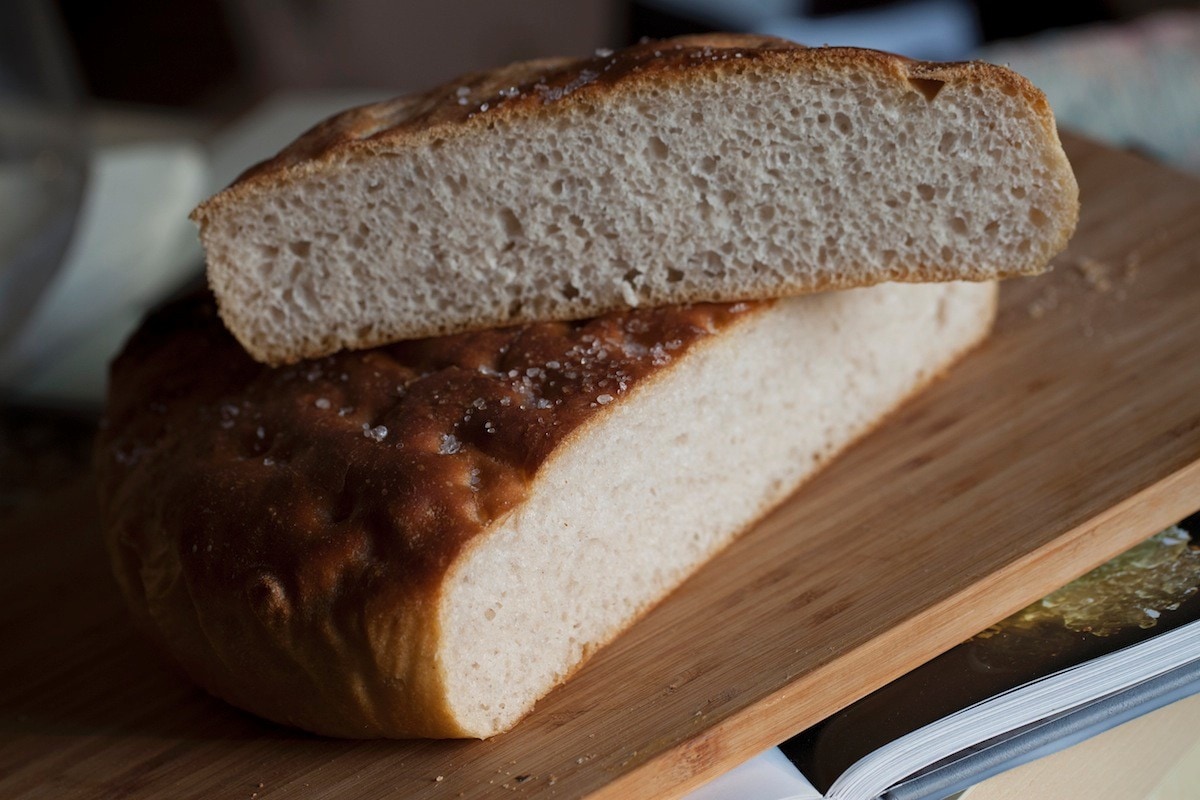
1071	435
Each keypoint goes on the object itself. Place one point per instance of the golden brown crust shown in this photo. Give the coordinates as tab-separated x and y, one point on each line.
269	524
476	101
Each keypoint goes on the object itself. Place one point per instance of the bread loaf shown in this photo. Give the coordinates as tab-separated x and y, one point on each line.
423	539
717	167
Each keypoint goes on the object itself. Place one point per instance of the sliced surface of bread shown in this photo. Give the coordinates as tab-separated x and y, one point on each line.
423	539
707	168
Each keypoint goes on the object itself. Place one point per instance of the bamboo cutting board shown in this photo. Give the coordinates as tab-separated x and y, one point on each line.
1071	435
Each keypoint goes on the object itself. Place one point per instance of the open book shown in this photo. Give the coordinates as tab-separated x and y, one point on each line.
1117	643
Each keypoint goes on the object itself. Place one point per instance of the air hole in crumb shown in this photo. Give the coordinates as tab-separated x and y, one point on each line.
631	276
929	87
946	145
570	291
992	228
842	123
1018	192
1037	217
714	265
823	118
658	148
674	275
959	226
489	614
300	249
766	213
455	183
512	225
925	191
708	165
947	253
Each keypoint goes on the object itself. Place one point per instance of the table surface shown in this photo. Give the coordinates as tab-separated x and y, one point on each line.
1068	437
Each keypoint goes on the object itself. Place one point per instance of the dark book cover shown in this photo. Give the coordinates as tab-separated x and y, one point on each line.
1142	593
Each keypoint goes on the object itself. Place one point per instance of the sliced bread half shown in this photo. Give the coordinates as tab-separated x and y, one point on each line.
719	167
423	539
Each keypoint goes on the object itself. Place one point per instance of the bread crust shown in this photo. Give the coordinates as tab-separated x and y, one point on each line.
288	552
542	87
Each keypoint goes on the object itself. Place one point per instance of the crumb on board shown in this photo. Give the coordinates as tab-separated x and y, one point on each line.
1046	301
1097	273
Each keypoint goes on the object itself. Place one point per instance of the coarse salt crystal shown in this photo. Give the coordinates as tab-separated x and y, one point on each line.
603	52
378	433
604	399
449	445
322	403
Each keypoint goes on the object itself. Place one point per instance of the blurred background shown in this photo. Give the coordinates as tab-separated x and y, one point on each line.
118	116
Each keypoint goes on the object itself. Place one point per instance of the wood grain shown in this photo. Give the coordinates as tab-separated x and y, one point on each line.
1071	435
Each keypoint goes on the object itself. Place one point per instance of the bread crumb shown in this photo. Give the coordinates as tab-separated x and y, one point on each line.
1095	272
1048	301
